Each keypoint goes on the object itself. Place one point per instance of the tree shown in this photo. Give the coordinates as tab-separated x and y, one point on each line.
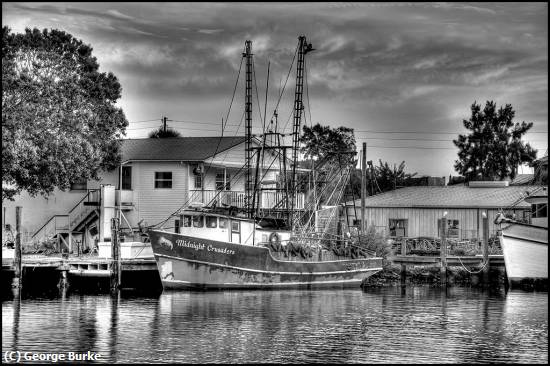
160	133
493	149
60	123
322	142
332	150
389	178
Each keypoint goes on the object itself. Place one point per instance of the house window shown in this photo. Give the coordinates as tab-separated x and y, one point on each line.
163	179
177	226
198	181
223	223
539	210
452	229
398	227
451	226
198	221
222	178
127	177
211	221
79	185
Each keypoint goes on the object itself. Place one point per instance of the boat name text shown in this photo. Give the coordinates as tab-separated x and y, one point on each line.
202	246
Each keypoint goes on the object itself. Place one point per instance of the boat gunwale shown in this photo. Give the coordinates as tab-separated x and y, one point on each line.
360	270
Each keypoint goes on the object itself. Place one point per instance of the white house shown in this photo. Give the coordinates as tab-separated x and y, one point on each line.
156	178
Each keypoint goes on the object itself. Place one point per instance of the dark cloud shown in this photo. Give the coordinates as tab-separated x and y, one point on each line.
414	65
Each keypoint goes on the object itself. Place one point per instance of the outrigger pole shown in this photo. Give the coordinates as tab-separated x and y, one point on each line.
303	48
248	128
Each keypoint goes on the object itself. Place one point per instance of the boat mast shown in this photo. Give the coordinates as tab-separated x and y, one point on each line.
303	48
248	127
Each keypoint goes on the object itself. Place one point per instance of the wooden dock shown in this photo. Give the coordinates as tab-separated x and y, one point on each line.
495	260
137	273
84	266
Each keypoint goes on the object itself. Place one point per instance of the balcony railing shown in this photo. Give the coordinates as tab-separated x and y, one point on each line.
238	198
55	225
81	210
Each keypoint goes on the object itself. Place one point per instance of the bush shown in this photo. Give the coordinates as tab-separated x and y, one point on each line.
374	242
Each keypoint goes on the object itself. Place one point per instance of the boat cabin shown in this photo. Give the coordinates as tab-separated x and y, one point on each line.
233	229
539	209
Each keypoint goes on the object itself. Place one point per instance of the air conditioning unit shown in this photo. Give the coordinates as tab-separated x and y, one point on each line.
199	169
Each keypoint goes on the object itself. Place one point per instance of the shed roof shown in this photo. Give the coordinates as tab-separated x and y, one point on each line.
177	148
458	196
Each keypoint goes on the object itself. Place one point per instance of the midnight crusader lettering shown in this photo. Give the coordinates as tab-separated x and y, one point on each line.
202	246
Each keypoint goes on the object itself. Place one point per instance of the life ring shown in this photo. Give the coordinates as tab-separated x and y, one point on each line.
274	238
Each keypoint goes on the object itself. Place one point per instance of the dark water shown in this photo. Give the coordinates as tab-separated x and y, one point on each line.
389	325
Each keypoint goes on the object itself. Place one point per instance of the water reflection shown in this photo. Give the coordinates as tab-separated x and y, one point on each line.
418	324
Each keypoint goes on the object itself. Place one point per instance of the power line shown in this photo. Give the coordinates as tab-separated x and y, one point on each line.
428	132
416	139
149	120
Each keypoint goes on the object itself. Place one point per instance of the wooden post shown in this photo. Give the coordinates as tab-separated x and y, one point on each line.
403	265
443	251
18	277
363	186
63	284
485	251
115	254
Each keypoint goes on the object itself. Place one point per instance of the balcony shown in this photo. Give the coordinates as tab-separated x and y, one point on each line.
268	199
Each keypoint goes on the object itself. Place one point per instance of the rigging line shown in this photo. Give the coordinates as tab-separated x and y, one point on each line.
256	87
266	93
219	140
287	76
234	91
307	94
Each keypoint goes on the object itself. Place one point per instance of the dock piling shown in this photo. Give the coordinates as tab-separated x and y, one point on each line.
403	274
443	251
485	252
63	283
115	254
18	277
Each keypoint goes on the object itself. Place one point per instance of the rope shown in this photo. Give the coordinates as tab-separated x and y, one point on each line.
467	270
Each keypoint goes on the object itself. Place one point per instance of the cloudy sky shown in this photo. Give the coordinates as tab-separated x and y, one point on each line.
403	75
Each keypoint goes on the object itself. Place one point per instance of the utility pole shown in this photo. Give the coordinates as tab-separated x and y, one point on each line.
363	185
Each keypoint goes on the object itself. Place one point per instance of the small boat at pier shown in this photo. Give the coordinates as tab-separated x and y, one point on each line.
525	246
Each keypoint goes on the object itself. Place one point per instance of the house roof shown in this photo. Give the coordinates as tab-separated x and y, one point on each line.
522	179
458	196
177	148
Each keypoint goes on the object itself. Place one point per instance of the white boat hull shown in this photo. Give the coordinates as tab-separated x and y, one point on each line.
525	250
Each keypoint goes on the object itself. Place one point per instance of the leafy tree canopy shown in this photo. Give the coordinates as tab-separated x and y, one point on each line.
493	148
60	123
160	133
333	144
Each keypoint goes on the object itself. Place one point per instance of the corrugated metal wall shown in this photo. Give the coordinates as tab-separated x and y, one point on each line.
424	221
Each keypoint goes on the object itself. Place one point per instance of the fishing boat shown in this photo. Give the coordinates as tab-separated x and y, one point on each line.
219	247
525	245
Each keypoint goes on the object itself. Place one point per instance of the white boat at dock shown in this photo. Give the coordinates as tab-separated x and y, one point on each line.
525	246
